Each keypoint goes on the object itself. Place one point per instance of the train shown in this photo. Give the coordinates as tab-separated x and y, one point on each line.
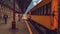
46	14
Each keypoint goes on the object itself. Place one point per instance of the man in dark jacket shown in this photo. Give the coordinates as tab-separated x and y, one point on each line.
5	18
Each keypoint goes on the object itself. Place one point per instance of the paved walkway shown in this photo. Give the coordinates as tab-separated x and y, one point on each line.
6	28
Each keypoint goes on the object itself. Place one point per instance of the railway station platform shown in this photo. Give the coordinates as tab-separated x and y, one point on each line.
29	16
6	28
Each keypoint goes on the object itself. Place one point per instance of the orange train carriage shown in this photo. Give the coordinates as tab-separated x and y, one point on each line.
46	14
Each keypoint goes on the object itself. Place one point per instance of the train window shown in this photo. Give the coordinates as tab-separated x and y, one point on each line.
59	7
45	10
59	3
42	10
36	12
33	13
59	16
49	9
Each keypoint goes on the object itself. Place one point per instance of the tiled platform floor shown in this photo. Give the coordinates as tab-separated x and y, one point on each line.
6	28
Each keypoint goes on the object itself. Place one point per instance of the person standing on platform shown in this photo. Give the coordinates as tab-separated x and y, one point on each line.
18	17
5	18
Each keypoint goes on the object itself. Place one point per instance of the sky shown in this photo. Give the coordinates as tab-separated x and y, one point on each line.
32	4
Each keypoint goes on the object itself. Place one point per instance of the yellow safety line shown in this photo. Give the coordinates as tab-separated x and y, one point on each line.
28	26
